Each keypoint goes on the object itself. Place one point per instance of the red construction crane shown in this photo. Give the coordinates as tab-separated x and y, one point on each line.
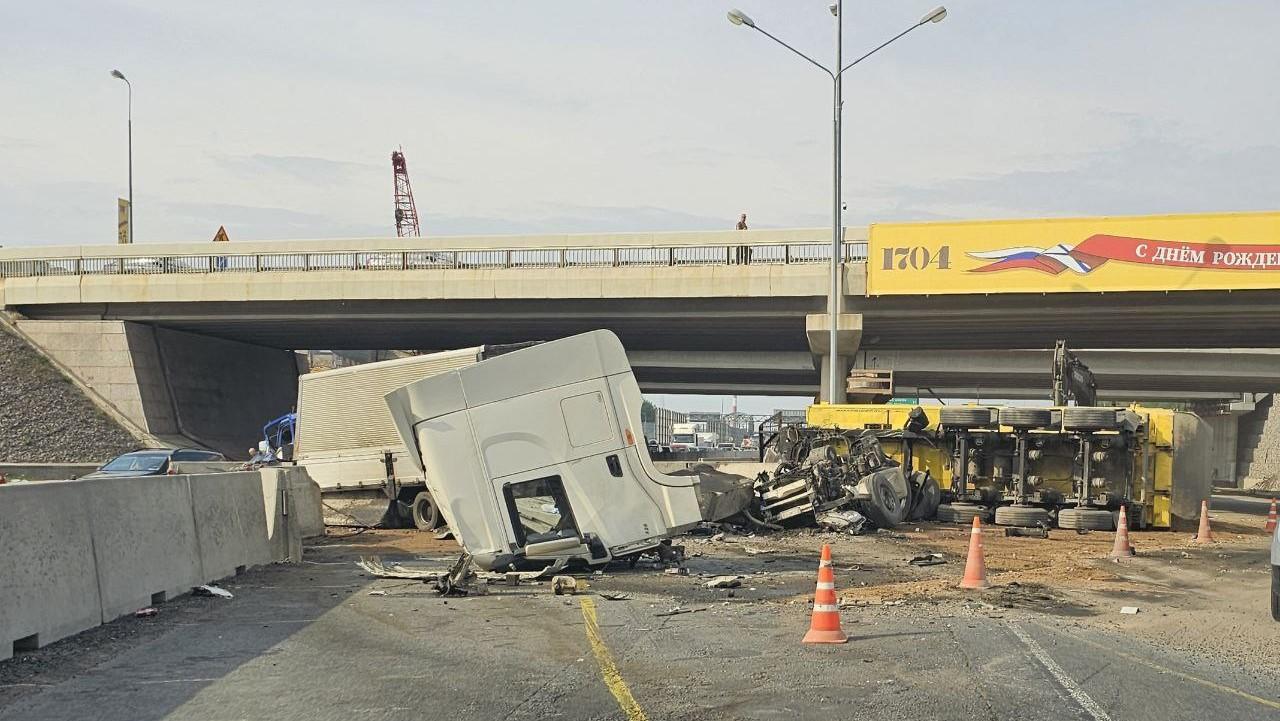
406	211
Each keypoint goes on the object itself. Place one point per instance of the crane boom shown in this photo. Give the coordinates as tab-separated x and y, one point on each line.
406	211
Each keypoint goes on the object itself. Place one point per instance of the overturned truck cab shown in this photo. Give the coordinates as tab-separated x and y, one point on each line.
533	457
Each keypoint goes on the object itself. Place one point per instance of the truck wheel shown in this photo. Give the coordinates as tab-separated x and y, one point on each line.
1026	417
884	508
1084	418
1024	516
930	495
426	516
1086	519
966	417
960	512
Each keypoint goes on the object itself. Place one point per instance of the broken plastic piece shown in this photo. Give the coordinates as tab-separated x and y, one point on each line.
209	589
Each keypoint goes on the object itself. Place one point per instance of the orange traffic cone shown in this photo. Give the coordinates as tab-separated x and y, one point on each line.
1204	535
824	626
975	568
1271	518
1122	548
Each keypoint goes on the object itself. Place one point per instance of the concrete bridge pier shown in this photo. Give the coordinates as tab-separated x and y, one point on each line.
848	338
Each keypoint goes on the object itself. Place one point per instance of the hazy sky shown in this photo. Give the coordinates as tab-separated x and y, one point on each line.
277	119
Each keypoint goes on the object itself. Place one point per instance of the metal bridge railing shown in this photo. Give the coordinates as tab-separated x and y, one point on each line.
620	257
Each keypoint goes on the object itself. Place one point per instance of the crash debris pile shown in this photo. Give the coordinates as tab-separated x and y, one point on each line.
842	480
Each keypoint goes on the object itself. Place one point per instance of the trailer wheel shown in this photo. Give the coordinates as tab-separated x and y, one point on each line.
1086	519
1080	418
884	508
426	516
930	496
960	512
965	417
1024	516
1026	417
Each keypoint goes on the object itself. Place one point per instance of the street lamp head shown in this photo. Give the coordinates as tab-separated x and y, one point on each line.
935	16
118	74
737	17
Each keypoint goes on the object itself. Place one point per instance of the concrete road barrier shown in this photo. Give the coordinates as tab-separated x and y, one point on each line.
75	554
144	540
48	581
46	471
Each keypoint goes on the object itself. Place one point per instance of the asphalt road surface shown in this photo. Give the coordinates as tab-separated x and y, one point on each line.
311	643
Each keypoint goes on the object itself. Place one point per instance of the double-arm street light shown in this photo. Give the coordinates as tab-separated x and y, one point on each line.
120	75
737	17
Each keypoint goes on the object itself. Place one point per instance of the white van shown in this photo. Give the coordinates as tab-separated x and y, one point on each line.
536	457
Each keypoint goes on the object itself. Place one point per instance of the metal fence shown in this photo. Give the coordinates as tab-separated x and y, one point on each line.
622	257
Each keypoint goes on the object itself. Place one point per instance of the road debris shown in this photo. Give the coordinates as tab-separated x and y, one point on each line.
377	593
209	589
928	559
612	596
723	582
1129	610
567	585
147	612
678	610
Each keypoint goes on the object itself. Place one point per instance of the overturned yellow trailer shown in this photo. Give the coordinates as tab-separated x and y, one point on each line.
1069	466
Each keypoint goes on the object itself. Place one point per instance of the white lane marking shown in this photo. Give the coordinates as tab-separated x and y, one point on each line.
1086	702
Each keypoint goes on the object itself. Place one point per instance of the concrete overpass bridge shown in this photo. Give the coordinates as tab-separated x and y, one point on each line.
704	312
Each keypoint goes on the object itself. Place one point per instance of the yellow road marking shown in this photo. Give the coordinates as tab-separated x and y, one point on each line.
608	669
1179	674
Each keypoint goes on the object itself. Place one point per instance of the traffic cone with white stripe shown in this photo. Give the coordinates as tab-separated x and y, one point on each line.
1271	518
824	626
1122	548
1204	535
975	567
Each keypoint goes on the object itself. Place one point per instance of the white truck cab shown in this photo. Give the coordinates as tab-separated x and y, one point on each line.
536	457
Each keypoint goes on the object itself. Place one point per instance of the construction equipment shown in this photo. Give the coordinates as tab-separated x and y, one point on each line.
406	210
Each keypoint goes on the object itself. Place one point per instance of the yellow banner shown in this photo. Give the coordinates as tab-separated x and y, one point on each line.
1223	251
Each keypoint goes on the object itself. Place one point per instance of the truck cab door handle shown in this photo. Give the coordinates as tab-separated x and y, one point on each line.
615	465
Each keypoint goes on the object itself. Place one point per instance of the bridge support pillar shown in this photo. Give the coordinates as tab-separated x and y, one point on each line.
848	338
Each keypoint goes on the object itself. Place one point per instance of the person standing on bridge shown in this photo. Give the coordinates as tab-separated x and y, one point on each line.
744	252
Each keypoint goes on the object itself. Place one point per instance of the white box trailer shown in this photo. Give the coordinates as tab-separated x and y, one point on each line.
349	445
536	457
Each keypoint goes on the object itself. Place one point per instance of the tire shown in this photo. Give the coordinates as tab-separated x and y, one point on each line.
883	507
425	513
930	496
1089	419
1086	519
965	417
1026	417
1024	516
960	512
1275	593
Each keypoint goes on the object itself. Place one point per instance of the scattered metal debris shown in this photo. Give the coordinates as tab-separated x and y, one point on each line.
209	589
147	612
1038	532
677	611
1129	610
612	596
928	559
723	582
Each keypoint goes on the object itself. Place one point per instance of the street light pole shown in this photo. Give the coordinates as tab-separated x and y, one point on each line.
120	75
835	298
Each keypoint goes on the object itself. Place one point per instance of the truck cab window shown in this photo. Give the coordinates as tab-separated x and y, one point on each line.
540	510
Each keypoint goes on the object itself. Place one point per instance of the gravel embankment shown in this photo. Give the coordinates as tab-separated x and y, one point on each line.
44	418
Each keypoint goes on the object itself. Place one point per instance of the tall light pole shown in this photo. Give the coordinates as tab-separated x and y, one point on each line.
120	75
737	17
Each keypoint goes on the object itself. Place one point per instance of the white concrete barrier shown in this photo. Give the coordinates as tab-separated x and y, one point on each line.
75	554
144	540
230	523
48	583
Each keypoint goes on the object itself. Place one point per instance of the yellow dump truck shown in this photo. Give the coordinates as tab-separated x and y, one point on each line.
1019	466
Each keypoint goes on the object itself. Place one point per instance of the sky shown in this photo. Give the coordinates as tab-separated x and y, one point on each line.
277	119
